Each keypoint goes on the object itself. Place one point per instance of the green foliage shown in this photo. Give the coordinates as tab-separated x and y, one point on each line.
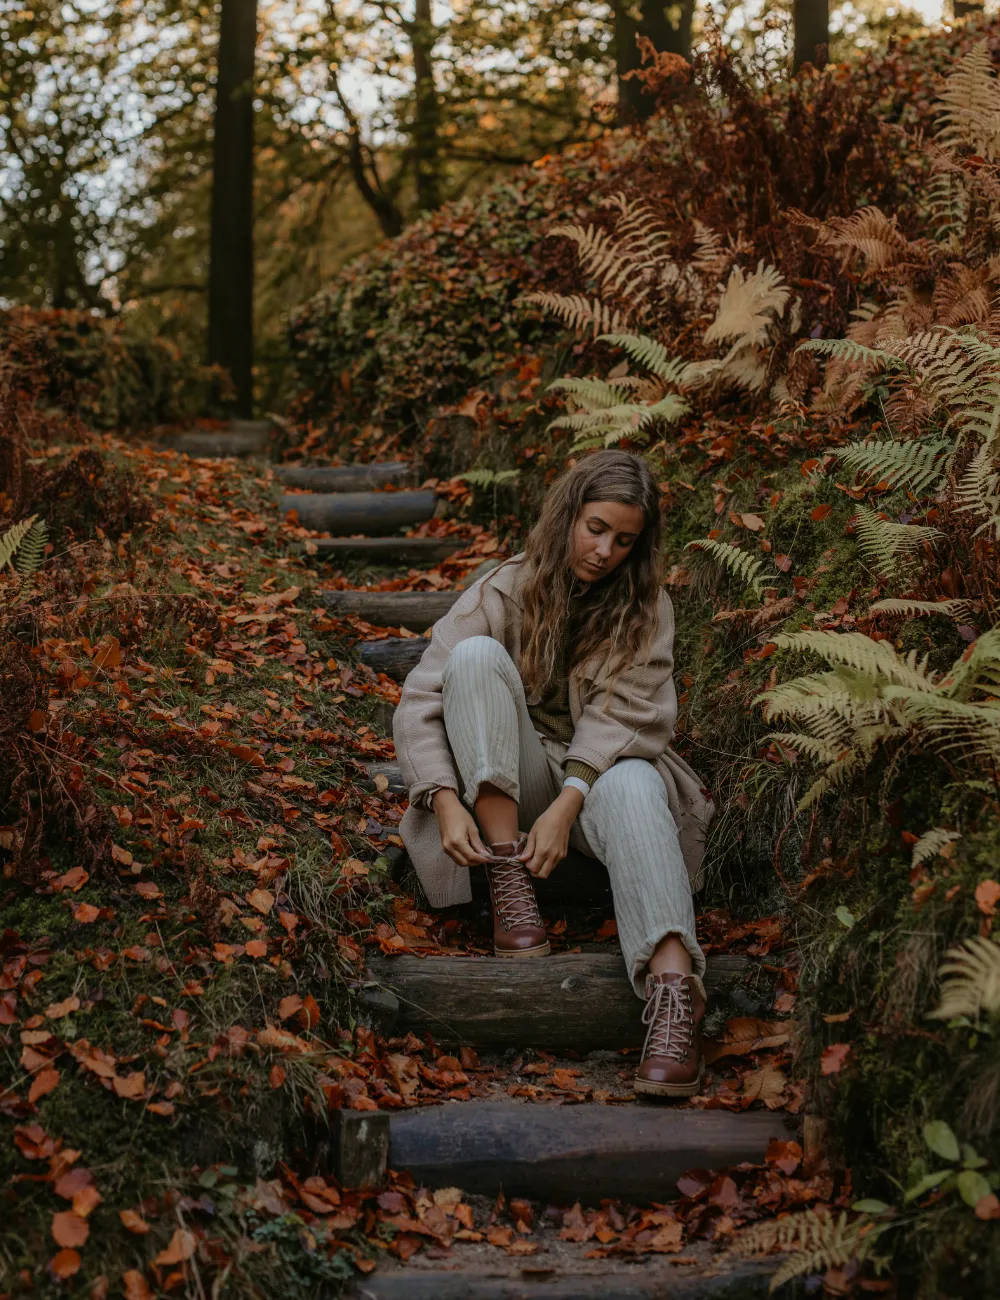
14	538
31	552
884	544
741	565
970	981
814	1242
913	465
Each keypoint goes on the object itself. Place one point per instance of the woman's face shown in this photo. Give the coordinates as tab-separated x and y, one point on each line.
603	535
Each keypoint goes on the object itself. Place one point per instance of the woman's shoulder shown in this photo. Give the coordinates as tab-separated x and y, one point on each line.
508	578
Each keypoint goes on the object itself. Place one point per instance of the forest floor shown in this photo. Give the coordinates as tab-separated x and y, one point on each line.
184	936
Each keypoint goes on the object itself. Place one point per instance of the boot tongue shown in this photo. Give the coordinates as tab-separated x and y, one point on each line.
508	848
668	977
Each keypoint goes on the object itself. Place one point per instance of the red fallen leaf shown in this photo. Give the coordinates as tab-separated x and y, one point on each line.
69	1229
136	953
42	1084
132	1086
70	1184
988	1206
499	1236
669	1238
118	854
56	1010
289	921
107	653
33	1142
93	1059
308	1016
99	1287
262	900
8	1009
64	1265
753	522
147	889
608	930
277	1076
281	1040
786	1156
783	562
161	1107
833	1058
256	948
575	1226
821	512
134	1286
693	1182
86	1201
134	1222
987	896
74	879
468	1059
37	720
85	913
723	1193
182	1247
244	752
289	1005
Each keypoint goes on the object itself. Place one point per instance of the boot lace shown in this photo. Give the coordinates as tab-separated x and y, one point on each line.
670	1017
513	894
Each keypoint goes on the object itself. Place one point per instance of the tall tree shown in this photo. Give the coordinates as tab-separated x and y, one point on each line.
230	275
668	26
811	26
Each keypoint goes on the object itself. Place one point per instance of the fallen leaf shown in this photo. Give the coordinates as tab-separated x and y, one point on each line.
118	854
262	900
833	1058
988	1207
987	896
134	1222
86	1201
821	512
182	1246
147	889
161	1107
43	1083
56	1010
73	880
670	1237
64	1265
85	913
69	1229
766	1085
256	948
134	1286
132	1086
288	1006
277	1076
753	522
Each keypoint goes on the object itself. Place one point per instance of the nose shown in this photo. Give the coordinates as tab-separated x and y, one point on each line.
604	546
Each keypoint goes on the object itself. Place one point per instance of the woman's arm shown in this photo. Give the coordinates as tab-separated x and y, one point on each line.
548	839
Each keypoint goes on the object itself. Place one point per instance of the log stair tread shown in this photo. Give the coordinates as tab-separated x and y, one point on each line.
377	514
420	552
581	1001
346	478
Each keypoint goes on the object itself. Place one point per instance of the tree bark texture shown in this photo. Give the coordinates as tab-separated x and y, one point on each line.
811	25
230	276
426	110
668	26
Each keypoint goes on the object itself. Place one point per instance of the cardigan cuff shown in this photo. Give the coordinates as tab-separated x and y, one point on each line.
584	771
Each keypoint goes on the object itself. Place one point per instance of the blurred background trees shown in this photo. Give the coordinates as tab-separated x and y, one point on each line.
363	115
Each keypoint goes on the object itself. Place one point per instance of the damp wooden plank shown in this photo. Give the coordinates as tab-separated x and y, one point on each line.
242	438
375	514
415	552
396	656
563	1154
346	478
416	610
582	1001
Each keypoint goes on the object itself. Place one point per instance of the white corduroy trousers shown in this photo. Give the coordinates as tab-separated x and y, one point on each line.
625	821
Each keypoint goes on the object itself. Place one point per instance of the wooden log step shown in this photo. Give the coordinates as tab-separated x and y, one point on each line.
416	610
374	513
242	438
418	552
583	1001
346	478
392	773
482	1273
396	656
564	1154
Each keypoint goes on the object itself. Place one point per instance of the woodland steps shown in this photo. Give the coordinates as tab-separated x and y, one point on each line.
346	478
377	514
242	438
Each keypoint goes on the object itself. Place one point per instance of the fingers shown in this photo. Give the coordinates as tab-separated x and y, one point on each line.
462	852
529	848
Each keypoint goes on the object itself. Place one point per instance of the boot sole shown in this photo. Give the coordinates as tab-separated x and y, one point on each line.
668	1089
543	950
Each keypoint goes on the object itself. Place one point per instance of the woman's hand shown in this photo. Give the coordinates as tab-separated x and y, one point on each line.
459	832
548	839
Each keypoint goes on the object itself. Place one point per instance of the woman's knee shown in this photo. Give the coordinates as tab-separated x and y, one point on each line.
630	783
475	656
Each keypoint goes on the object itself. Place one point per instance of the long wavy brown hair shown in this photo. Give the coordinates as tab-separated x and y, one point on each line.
618	614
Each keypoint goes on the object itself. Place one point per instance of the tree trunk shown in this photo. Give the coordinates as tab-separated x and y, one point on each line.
426	110
667	26
230	276
963	8
811	25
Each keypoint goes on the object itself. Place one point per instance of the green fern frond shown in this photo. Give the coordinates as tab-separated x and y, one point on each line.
970	975
949	608
978	491
962	373
916	465
591	394
652	355
486	478
876	660
851	352
13	539
884	544
736	562
931	843
977	669
820	751
969	105
31	552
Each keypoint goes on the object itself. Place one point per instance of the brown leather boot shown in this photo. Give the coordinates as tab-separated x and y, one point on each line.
517	923
672	1063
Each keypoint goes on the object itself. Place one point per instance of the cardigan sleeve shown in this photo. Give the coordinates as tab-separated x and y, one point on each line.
418	724
631	714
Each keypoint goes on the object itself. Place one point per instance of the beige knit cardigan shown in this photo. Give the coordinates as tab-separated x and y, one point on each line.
630	715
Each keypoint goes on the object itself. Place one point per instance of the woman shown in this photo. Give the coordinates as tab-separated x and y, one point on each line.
546	700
